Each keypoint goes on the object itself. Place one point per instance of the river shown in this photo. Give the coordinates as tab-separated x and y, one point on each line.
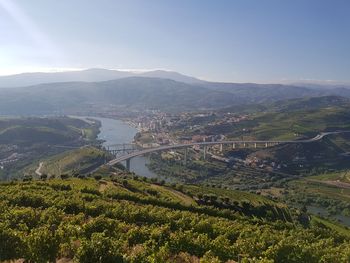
118	132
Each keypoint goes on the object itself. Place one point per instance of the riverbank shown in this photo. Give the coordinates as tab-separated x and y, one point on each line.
121	132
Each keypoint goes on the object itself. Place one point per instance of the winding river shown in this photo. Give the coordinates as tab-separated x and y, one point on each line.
118	132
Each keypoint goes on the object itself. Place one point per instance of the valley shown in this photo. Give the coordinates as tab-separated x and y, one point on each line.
193	131
268	165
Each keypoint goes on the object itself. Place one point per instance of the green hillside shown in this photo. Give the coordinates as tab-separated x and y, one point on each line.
283	120
296	124
138	220
25	141
53	130
302	118
78	162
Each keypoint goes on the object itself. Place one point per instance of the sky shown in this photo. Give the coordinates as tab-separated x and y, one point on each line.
220	40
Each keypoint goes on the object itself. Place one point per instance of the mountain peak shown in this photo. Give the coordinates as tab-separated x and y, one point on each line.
165	74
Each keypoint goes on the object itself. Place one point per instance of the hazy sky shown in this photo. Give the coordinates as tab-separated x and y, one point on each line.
232	40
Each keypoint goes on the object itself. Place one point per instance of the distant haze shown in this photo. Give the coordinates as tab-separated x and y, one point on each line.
233	41
88	75
100	74
65	93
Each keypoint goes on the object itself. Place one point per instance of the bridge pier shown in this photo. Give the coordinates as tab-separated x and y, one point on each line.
128	164
205	145
221	147
205	152
185	156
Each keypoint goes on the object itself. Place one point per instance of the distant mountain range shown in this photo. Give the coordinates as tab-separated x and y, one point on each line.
88	75
322	84
290	105
164	90
125	94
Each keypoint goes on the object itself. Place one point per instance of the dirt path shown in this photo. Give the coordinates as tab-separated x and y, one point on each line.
187	200
104	185
338	184
37	171
333	183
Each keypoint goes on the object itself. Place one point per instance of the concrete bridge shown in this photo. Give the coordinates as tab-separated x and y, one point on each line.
117	149
205	145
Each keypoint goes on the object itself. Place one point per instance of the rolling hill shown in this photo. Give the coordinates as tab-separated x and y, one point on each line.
40	130
24	141
127	93
142	93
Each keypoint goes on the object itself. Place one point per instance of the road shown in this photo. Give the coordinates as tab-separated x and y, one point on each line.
37	171
179	146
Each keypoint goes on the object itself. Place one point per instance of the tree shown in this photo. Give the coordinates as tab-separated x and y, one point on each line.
125	183
98	177
213	198
27	178
64	176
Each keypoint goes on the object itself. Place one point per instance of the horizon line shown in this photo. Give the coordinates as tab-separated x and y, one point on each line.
144	70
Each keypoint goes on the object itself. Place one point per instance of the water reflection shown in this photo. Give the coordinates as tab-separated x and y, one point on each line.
118	132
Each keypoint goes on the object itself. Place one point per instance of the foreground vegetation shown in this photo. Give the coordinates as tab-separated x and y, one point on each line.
126	219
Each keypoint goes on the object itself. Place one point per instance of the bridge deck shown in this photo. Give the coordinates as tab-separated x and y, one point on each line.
179	146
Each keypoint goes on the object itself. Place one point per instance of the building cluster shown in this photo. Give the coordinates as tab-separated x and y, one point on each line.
228	118
158	128
14	157
254	161
156	122
202	138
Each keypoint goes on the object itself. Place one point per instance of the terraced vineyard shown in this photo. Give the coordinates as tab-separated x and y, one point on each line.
139	220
